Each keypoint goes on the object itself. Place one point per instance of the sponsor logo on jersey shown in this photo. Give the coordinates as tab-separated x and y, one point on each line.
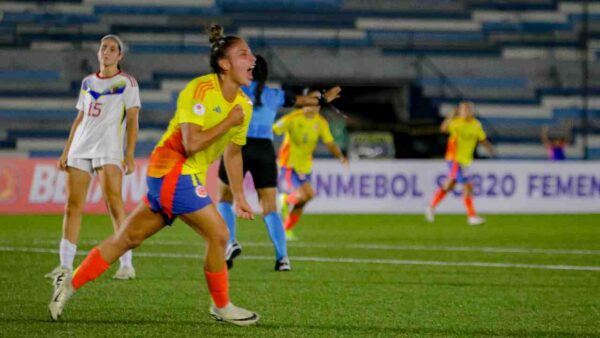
199	109
201	191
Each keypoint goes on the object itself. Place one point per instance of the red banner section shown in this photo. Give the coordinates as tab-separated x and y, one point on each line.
37	186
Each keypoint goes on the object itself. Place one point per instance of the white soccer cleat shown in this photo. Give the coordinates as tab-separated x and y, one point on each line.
57	271
125	273
234	315
429	214
475	220
63	290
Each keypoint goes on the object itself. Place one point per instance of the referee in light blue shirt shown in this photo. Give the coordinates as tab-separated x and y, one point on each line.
259	158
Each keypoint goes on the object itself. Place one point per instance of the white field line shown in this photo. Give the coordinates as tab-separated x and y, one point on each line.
340	260
354	246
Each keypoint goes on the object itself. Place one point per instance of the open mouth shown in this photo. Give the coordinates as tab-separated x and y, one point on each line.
249	71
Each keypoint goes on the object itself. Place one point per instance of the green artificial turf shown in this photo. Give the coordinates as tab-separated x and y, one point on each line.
352	275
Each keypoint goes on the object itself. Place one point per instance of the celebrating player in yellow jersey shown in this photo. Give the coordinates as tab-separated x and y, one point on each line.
212	118
465	133
302	128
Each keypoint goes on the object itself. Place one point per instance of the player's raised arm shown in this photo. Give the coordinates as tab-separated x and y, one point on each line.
321	99
544	135
446	123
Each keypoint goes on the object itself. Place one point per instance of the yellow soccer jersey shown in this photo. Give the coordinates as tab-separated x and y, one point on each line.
201	103
301	136
464	136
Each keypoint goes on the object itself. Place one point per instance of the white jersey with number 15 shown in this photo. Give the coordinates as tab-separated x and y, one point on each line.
103	102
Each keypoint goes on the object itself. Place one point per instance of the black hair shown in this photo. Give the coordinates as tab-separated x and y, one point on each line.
260	73
219	43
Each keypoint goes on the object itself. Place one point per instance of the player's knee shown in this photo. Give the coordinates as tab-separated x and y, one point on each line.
225	195
268	207
74	206
129	240
309	195
218	236
450	184
115	204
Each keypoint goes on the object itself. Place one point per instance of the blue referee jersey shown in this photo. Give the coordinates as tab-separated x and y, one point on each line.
263	117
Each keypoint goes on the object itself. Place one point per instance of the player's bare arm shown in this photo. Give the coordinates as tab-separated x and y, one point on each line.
451	115
312	100
489	148
337	153
131	116
233	165
62	161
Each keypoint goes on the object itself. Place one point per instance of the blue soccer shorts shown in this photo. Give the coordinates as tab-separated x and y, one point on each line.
290	179
173	195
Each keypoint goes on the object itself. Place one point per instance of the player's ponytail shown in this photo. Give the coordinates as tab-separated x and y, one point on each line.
219	43
260	74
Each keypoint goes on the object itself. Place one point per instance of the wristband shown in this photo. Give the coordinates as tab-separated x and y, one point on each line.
322	100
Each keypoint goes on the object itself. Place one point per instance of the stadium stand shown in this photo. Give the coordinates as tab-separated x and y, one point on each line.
519	61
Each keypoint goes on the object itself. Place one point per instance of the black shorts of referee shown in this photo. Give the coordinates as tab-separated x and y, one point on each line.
259	159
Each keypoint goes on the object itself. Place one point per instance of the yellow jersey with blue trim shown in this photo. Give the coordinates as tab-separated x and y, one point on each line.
201	102
301	136
464	136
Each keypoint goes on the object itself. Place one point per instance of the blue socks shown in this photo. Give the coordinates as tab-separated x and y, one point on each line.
272	221
277	234
226	211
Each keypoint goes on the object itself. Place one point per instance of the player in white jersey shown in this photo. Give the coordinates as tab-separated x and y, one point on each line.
109	103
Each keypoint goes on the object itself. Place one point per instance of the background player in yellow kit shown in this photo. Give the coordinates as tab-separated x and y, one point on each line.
465	133
303	128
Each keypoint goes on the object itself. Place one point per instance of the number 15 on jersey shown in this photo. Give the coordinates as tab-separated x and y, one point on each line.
95	109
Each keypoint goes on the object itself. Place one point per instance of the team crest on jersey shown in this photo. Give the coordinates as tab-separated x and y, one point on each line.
201	191
199	109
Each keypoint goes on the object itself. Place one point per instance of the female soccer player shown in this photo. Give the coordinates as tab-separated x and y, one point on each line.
212	117
259	158
302	129
465	132
95	144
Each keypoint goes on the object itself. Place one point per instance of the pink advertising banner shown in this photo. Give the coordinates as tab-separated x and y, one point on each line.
29	186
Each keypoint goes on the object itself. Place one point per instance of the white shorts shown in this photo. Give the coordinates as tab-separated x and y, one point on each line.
91	164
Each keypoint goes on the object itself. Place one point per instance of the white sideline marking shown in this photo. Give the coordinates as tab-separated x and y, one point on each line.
340	260
361	246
